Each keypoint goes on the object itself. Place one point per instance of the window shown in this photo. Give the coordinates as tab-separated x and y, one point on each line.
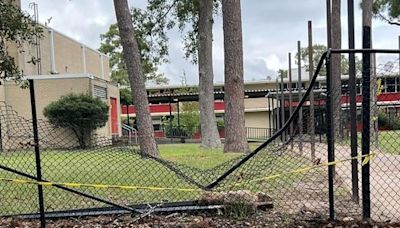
100	92
389	85
157	123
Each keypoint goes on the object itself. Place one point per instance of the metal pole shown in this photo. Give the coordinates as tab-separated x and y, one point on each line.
311	74
353	103
278	106
282	109
290	99
127	113
273	116
278	121
169	129
330	136
269	115
179	119
37	152
366	112
170	113
299	85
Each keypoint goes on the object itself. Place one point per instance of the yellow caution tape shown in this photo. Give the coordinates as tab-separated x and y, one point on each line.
101	186
365	159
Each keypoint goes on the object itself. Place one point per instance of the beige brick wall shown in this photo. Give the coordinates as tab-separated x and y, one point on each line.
256	119
255	103
106	65
93	63
48	90
68	57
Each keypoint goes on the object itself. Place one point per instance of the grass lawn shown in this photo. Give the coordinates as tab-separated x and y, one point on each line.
389	142
122	166
194	156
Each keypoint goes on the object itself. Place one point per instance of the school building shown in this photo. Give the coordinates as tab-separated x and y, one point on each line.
65	66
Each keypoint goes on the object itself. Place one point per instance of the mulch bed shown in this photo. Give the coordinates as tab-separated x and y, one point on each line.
177	220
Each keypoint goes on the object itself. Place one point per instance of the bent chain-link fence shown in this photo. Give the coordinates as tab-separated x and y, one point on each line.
289	170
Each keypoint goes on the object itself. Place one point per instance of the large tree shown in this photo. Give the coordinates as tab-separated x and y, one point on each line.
209	131
336	65
235	132
387	10
194	19
16	29
131	53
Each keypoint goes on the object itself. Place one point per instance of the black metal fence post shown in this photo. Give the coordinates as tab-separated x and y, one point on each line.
37	153
353	103
299	87
366	115
290	99
330	136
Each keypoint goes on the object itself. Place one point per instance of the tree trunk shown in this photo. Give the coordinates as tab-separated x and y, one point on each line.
235	132
336	68
209	131
148	145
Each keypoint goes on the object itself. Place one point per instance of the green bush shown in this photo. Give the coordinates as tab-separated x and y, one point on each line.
220	125
79	112
387	121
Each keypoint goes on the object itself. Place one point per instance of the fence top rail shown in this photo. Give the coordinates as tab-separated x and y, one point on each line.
348	51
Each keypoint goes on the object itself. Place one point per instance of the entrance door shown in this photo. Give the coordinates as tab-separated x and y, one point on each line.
114	116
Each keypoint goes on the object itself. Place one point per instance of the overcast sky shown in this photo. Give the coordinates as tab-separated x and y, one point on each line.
271	29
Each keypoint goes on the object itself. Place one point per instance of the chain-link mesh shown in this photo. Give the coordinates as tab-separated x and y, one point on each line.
384	99
290	170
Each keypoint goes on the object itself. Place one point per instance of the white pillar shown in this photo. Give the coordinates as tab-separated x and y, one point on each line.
52	52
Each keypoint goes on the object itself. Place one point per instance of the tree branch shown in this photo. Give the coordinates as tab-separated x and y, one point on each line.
388	20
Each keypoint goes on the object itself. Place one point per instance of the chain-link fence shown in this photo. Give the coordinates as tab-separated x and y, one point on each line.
311	167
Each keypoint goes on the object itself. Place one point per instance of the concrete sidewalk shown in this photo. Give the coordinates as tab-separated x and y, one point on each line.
384	178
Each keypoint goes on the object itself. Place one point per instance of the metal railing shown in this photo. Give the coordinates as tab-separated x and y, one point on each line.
132	133
257	133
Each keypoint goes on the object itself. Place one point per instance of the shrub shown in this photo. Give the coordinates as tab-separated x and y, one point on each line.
79	112
387	121
220	125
